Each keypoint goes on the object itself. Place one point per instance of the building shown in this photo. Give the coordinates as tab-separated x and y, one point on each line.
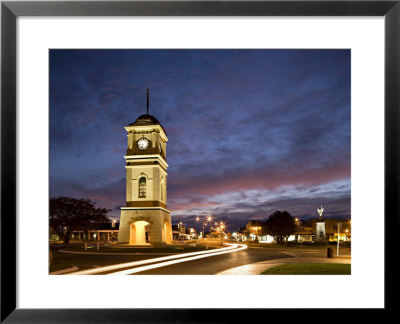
256	227
306	231
191	231
181	228
145	219
181	232
103	232
331	229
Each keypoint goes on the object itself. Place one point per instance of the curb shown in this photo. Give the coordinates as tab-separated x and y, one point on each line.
64	271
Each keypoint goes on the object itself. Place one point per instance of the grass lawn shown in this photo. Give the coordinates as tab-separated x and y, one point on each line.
111	249
287	247
279	246
309	269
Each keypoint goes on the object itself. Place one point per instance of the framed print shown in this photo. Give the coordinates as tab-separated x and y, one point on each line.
234	43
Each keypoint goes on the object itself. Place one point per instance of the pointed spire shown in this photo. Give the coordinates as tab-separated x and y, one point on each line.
147	101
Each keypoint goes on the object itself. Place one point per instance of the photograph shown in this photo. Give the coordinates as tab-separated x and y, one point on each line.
214	151
199	161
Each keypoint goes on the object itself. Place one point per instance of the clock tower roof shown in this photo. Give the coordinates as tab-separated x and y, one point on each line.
145	120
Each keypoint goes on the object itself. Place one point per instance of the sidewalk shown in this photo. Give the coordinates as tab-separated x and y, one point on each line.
257	268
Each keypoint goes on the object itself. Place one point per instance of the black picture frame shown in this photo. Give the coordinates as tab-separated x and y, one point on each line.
10	10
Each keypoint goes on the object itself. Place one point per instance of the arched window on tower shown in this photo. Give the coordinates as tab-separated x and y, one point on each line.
142	187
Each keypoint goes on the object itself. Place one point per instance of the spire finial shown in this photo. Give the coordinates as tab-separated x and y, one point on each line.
147	101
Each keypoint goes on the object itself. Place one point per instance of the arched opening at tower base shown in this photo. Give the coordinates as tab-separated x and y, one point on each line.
140	233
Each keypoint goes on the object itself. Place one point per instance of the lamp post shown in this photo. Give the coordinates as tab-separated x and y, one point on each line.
298	227
198	219
209	219
222	226
338	233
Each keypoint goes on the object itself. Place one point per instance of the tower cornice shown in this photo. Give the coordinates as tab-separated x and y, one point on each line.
146	158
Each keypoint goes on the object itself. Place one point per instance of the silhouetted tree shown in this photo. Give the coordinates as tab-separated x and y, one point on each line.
70	214
280	225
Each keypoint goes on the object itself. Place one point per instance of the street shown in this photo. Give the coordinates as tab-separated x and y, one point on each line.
197	263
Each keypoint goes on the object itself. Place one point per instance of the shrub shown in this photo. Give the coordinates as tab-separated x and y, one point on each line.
346	244
312	243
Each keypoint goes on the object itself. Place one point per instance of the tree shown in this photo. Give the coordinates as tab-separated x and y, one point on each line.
281	225
70	214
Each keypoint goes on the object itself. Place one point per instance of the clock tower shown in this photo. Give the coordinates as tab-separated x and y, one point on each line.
145	219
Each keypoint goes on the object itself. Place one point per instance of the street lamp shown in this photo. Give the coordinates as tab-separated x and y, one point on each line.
338	237
222	226
208	219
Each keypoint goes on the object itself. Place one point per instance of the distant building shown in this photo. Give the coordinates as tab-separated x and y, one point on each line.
305	233
256	227
182	228
191	232
331	229
104	232
181	232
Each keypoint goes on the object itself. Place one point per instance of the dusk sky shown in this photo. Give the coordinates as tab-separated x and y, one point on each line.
250	131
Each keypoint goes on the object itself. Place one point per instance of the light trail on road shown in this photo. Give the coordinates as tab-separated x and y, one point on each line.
167	263
231	248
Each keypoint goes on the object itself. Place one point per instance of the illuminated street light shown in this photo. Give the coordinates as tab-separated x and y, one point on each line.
222	226
338	237
209	218
205	222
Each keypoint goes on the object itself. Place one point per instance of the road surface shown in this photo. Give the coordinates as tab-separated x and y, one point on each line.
204	263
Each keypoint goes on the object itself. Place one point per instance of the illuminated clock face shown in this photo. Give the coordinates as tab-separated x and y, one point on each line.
143	143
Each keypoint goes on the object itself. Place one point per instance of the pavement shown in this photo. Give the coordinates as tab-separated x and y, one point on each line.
63	271
259	267
252	260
